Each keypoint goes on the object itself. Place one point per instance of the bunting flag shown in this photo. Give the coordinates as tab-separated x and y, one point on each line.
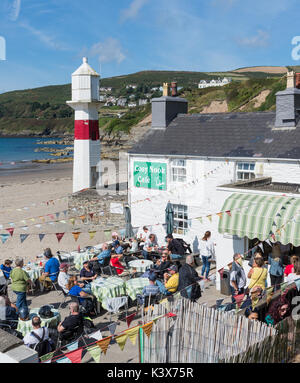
23	237
92	234
82	217
42	219
72	220
221	271
72	346
65	213
132	334
11	231
219	302
51	216
121	340
171	315
75	356
239	299
129	319
112	328
107	234
24	228
147	328
62	221
209	217
76	236
38	225
219	215
91	215
41	237
32	219
47	358
57	215
96	335
228	212
95	353
4	237
12	224
59	236
200	219
63	360
297	283
104	343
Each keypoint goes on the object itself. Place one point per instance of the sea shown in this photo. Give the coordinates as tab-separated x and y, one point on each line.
18	150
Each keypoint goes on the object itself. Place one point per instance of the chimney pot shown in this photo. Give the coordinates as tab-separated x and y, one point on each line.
165	89
298	80
290	80
174	88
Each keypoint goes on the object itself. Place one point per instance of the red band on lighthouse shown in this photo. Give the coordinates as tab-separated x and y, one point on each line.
86	130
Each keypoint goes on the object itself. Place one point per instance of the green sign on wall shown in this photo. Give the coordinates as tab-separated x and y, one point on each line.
150	175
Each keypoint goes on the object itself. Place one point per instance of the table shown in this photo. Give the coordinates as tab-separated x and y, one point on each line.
135	286
82	256
141	265
35	271
25	326
108	288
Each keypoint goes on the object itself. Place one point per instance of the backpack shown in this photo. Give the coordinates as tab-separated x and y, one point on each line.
43	346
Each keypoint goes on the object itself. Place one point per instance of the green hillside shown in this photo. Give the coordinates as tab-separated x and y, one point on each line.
43	111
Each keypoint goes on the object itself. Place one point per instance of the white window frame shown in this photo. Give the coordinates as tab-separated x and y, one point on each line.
178	171
180	219
245	171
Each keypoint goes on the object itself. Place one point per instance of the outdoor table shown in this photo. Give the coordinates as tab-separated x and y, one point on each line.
108	288
35	271
82	256
141	265
135	286
26	326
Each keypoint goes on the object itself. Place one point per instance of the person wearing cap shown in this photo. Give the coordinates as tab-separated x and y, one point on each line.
6	268
63	277
51	270
171	279
152	288
175	247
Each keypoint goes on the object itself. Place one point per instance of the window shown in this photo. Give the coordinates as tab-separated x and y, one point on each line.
178	170
245	171
180	219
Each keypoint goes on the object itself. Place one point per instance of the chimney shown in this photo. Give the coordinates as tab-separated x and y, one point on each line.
288	103
166	108
165	89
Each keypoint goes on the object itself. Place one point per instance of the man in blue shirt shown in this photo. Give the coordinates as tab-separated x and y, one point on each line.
118	248
98	260
51	271
6	268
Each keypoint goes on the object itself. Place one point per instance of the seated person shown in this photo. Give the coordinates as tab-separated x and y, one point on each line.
290	268
87	275
63	277
279	309
98	260
150	244
115	262
6	268
163	263
51	270
8	313
175	247
38	334
114	238
171	281
152	288
77	288
71	325
118	248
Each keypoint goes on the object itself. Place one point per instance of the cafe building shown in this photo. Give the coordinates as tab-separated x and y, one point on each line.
235	174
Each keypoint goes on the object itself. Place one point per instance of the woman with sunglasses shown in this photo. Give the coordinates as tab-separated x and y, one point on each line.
279	310
163	263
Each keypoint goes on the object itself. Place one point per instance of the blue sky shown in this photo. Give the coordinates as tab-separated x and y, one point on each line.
46	39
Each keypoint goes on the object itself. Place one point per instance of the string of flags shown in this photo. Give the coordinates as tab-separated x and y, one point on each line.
101	345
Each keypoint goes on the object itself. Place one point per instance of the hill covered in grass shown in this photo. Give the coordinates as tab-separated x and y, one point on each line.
43	111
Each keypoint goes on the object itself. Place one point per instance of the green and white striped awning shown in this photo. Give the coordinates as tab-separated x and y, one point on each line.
262	217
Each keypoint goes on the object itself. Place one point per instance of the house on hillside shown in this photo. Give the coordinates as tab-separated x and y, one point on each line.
131	86
206	84
132	104
122	102
143	101
235	174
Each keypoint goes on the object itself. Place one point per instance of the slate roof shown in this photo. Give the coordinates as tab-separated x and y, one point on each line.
222	135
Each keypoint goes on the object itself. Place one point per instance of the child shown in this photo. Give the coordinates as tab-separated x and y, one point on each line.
6	268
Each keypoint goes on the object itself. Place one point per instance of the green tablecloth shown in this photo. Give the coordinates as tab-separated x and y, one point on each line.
81	257
25	326
135	286
110	288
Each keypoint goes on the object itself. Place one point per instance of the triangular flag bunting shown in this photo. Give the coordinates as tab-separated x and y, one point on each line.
200	219
82	217
65	212
147	328
72	220
23	237
95	353
219	215
92	234
75	356
59	236
12	224
62	221
171	315
219	302
63	360
47	358
107	234
51	216
41	237
76	235
239	299
32	219
91	215
57	215
11	231
129	319
96	335
297	283
228	212
72	346
112	328
104	343
209	217
24	228
132	334
121	340
4	237
38	225
42	219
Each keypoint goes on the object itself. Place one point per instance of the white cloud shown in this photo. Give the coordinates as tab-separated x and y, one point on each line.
107	51
261	39
133	9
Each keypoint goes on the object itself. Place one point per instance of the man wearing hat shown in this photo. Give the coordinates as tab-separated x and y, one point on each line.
51	270
152	288
171	279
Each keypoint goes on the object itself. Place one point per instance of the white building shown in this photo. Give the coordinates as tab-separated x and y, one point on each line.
132	104
122	102
206	164
131	86
206	84
143	102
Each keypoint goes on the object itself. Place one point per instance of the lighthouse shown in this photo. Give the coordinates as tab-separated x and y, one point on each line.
85	102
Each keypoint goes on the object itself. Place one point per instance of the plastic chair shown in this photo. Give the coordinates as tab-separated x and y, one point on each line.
76	299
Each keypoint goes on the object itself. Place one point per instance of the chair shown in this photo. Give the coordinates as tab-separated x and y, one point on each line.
105	267
70	336
75	298
54	284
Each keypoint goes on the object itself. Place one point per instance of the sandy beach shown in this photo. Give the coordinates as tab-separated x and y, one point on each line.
36	184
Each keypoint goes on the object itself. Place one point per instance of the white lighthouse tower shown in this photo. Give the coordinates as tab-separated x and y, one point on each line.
85	102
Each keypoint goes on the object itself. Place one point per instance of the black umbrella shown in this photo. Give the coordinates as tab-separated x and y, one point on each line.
128	227
169	218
